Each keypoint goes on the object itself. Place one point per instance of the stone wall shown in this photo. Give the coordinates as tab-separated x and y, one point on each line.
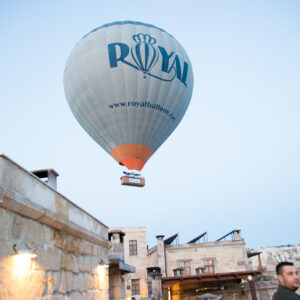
67	240
230	256
66	267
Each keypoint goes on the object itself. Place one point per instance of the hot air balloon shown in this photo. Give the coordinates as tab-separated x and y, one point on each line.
128	84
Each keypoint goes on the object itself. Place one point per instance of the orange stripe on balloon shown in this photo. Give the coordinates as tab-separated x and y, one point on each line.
133	156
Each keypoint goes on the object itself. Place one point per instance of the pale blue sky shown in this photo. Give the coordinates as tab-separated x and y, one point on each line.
232	163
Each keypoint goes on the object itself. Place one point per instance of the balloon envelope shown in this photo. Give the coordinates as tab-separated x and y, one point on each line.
128	85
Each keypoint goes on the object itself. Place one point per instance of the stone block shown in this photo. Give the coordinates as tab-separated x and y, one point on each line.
95	271
90	281
30	231
100	252
94	263
90	295
6	248
57	239
76	296
69	262
6	219
80	286
66	242
49	290
87	263
105	280
83	282
72	245
94	266
69	281
86	248
49	259
56	280
75	283
65	282
99	282
101	295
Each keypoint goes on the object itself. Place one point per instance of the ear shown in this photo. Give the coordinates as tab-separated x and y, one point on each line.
280	278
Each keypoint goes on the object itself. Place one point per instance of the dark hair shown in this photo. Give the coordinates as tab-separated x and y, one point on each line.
279	267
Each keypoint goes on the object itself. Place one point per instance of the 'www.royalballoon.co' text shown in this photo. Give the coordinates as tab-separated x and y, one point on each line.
142	104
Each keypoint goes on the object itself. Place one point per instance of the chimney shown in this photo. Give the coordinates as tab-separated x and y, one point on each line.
161	255
116	252
47	175
236	234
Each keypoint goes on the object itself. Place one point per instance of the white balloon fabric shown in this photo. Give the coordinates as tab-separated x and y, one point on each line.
128	85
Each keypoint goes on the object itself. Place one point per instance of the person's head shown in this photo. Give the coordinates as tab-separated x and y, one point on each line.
287	275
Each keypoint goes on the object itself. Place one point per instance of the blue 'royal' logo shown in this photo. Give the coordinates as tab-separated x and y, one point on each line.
145	55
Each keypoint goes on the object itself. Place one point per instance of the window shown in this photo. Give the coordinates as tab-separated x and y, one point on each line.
209	265
186	266
199	270
133	247
178	272
135	286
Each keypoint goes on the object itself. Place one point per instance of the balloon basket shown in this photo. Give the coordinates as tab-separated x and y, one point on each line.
132	179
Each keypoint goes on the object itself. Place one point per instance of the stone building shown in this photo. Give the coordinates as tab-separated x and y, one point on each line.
136	254
49	247
196	270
